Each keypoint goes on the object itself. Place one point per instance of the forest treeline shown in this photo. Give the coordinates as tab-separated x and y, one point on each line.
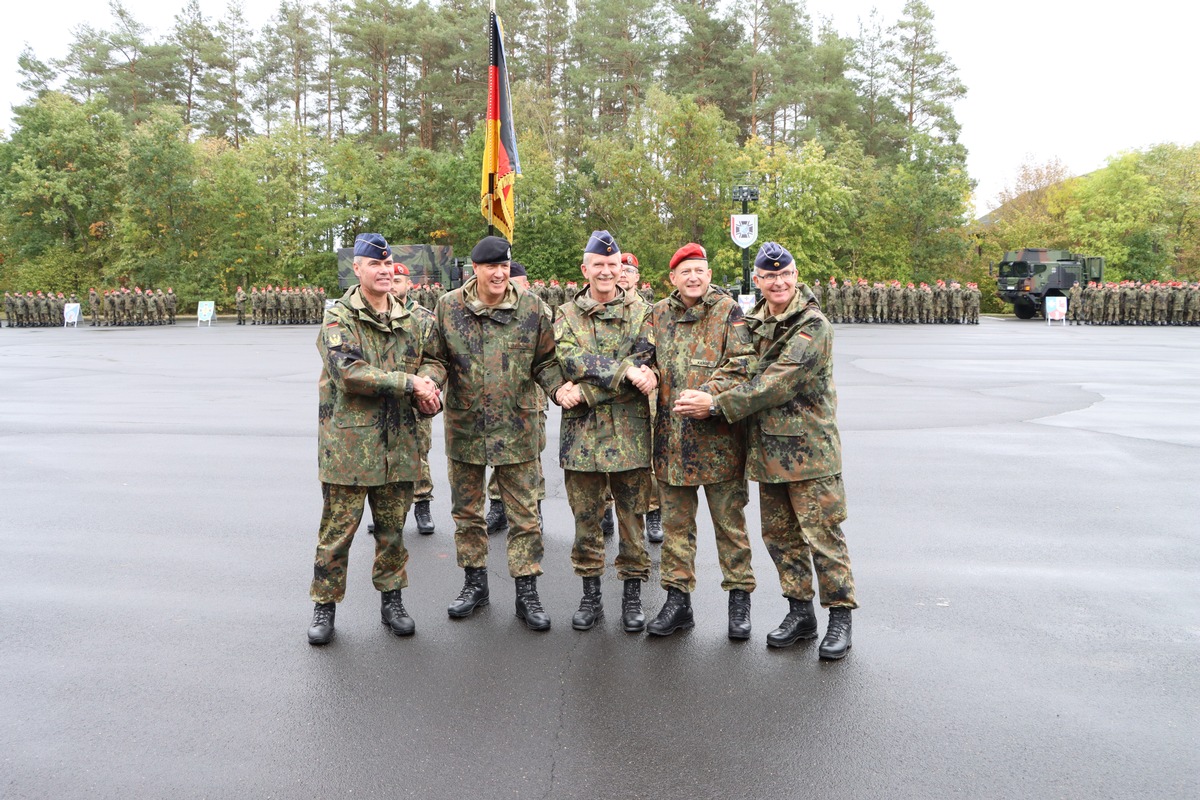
215	154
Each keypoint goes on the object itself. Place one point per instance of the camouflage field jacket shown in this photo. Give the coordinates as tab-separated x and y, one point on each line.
490	361
367	431
790	396
597	344
705	347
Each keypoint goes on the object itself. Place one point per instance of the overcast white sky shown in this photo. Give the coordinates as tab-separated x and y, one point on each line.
1046	79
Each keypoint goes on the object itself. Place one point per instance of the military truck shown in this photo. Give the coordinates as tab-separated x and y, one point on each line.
1027	277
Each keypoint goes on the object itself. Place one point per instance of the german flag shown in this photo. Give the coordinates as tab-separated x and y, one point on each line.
500	163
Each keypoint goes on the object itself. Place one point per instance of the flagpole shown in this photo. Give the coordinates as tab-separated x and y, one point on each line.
492	173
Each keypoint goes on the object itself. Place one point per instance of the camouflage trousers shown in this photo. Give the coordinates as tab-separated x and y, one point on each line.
801	526
423	492
493	488
654	500
586	494
340	517
727	507
517	482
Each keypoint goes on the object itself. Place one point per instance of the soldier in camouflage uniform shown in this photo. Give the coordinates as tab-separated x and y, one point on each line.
493	344
604	349
1074	295
955	294
369	398
974	302
794	450
910	300
701	343
833	300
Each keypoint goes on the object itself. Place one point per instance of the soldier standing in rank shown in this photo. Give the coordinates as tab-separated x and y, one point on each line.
10	313
255	305
831	299
493	344
369	398
701	344
794	450
94	306
554	294
604	345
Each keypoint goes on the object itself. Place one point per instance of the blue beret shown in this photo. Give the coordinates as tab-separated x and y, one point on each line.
491	250
371	245
602	244
516	270
772	257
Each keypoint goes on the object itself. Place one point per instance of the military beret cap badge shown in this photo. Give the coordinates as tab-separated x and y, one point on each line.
371	245
772	257
602	243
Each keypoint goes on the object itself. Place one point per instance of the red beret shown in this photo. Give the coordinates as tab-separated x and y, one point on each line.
689	250
399	269
629	258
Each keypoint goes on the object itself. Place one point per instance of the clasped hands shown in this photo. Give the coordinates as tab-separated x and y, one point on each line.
694	404
427	395
643	378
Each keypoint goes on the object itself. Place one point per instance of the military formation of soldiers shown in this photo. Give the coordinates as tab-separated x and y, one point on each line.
111	307
912	304
35	309
687	390
280	305
1134	303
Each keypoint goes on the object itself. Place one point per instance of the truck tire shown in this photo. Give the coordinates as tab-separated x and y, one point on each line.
1024	310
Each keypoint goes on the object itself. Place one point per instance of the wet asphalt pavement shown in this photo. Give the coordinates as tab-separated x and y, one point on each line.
1023	527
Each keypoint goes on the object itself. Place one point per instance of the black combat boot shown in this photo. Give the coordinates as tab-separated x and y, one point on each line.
836	643
423	517
675	614
607	522
739	614
474	593
497	518
632	618
529	605
321	630
654	532
800	623
591	609
394	616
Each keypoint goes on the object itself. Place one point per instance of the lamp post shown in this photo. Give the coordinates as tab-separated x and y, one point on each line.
745	192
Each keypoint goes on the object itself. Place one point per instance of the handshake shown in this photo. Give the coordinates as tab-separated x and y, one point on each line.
643	378
427	395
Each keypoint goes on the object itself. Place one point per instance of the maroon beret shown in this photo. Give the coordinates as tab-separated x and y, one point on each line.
689	250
